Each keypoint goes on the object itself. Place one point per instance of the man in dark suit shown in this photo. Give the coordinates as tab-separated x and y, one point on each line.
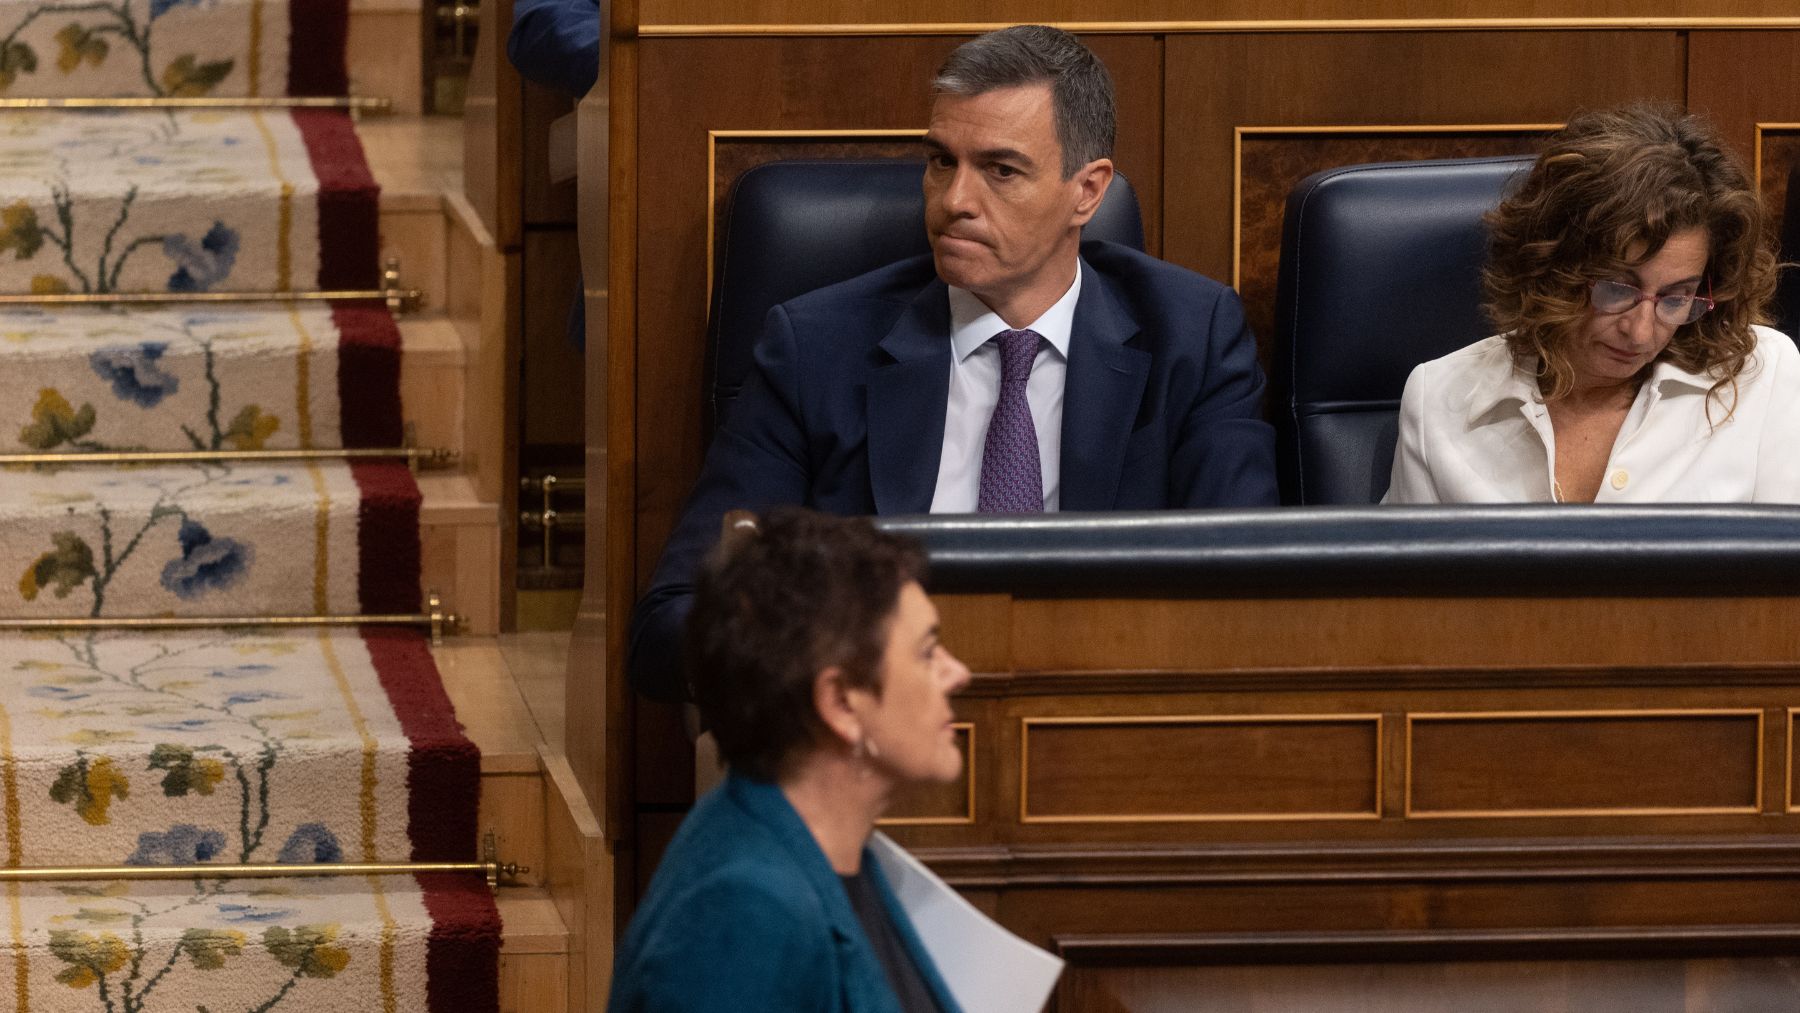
1014	370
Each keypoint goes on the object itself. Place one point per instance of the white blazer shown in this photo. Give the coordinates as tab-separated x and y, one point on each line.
1473	429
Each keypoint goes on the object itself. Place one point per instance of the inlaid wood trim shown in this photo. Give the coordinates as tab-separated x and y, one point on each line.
1572	715
1377	129
1247	26
1375	721
1757	151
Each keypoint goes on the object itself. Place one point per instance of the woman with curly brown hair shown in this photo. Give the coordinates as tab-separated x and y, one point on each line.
1628	276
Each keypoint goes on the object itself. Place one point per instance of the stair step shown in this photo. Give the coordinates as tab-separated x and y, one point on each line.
459	540
433	359
494	716
416	160
248	201
534	953
381	62
171	378
234	539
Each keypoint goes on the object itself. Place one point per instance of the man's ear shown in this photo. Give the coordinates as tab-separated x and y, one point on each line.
831	699
1093	179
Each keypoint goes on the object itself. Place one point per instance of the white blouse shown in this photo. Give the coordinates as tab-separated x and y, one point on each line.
1473	429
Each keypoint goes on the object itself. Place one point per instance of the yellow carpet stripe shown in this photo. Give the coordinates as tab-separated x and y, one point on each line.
256	37
284	228
302	379
370	815
15	857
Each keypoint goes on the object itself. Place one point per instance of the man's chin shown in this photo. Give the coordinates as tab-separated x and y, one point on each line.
957	272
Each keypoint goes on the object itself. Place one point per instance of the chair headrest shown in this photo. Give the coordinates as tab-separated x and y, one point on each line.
795	226
1380	271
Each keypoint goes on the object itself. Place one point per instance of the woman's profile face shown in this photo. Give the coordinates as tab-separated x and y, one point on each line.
1614	347
908	726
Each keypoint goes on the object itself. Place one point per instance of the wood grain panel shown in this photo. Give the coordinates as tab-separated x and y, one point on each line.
1272	162
1777	152
1407	984
1217	83
543	202
690	87
1740	79
916	12
1094	635
951	803
551	389
1653	762
1150	769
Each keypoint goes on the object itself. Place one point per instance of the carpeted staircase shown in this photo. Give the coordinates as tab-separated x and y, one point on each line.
293	745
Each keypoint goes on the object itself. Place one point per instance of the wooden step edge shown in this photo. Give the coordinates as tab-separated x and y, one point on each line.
530	922
450	498
578	874
436	340
414	159
489	705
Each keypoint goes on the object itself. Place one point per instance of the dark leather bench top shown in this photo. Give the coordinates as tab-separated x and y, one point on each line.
1515	550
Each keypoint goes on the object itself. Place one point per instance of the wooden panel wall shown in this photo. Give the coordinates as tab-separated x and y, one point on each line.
1341	750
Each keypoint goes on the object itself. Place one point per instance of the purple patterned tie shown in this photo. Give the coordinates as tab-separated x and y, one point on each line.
1012	479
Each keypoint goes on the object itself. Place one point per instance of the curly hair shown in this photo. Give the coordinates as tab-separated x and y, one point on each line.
1606	194
778	601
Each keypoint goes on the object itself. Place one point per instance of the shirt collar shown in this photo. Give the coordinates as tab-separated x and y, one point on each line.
1519	386
972	323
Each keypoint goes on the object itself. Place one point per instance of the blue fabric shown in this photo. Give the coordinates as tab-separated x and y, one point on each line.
844	413
745	913
557	43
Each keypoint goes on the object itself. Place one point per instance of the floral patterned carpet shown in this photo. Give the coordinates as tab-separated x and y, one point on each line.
212	745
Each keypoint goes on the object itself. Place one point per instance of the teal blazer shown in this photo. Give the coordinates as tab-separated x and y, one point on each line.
745	914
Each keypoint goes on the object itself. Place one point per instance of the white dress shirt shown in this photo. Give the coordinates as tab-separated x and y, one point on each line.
1474	429
975	390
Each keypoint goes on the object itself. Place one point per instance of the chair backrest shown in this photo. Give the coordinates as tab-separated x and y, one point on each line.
1787	292
795	226
1380	271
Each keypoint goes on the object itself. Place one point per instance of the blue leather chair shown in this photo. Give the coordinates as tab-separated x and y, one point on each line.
791	227
1380	271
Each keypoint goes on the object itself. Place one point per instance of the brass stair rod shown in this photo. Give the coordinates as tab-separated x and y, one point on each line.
435	617
407	295
427	457
490	868
359	103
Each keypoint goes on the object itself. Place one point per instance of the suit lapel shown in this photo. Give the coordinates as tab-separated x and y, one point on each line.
1100	396
906	403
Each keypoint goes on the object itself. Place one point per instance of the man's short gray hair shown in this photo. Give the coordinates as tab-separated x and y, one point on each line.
1081	90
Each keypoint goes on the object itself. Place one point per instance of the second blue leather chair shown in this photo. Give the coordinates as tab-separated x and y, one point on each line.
1380	271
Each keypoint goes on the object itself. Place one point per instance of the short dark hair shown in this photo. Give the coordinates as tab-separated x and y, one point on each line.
776	604
1606	194
1081	90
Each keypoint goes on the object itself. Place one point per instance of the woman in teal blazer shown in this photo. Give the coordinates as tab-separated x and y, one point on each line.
814	659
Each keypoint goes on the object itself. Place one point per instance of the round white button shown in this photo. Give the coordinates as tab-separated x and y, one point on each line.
1620	479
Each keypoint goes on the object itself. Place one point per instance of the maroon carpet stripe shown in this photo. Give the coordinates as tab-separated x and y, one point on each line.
387	537
368	375
318	32
462	959
444	769
349	200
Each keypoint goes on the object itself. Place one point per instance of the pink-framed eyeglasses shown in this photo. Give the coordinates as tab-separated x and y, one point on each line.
1610	297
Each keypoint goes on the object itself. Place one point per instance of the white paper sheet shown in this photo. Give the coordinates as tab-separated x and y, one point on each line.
988	969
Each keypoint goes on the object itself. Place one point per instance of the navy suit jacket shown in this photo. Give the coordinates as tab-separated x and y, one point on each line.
744	913
844	413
